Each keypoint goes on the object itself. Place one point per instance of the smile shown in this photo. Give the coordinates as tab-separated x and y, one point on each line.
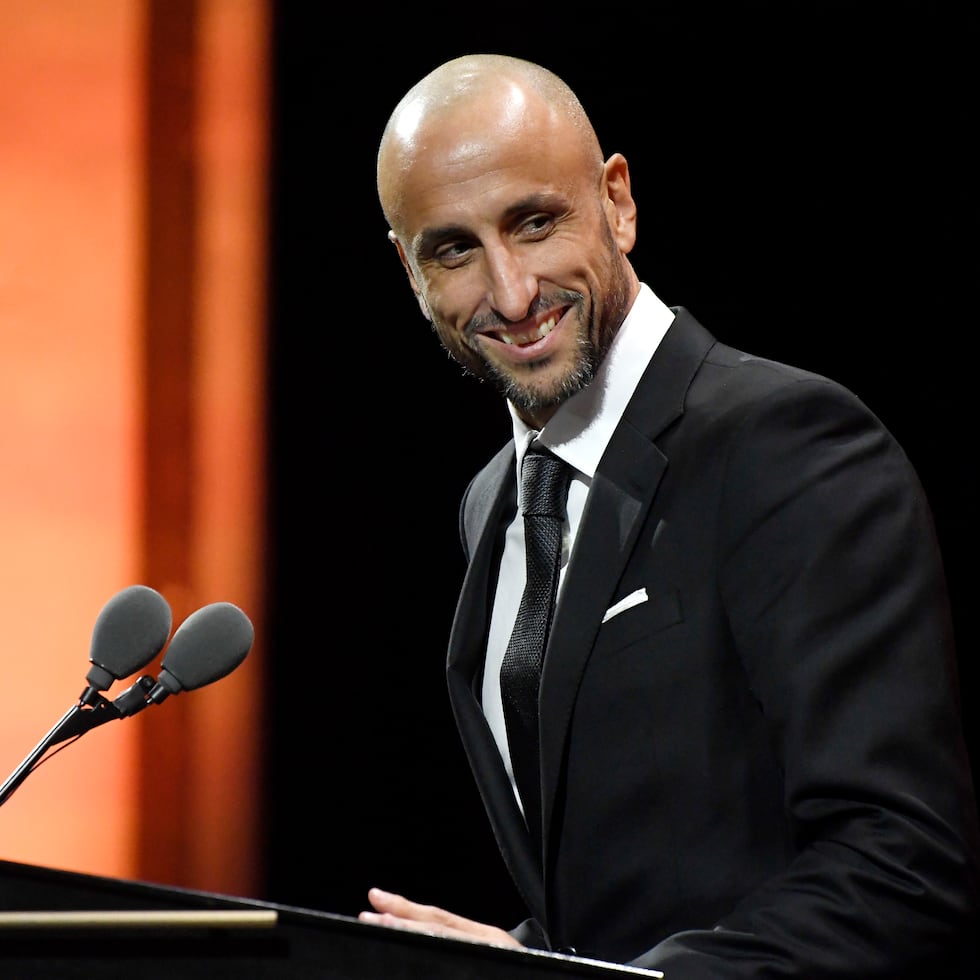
525	337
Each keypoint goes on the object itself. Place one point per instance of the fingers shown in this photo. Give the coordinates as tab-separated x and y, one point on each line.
397	912
398	905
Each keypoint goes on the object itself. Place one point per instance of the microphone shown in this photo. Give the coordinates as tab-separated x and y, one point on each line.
129	632
207	646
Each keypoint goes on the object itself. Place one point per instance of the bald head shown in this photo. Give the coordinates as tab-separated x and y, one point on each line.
513	230
469	103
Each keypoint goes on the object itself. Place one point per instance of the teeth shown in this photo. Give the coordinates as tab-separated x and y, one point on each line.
542	331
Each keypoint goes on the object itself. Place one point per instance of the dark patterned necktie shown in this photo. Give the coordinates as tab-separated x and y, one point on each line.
544	489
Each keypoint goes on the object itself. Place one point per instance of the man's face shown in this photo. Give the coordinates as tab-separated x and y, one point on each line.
505	231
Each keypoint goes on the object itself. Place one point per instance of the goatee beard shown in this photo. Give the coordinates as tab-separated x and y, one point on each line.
530	399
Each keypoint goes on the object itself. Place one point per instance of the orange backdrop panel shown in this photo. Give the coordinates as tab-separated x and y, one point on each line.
73	438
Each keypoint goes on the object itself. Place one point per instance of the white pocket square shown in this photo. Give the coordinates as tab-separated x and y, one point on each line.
633	599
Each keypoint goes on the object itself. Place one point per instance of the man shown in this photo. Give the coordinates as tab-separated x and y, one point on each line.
751	759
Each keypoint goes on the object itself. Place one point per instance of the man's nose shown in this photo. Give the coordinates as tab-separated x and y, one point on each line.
511	288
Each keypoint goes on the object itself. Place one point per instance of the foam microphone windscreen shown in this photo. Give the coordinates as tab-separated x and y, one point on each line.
209	644
129	632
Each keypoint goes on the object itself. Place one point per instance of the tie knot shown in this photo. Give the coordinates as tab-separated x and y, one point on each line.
544	483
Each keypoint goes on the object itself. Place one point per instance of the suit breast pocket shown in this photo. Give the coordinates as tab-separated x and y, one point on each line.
641	621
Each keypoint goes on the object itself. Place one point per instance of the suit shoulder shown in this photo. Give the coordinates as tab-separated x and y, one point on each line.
749	376
488	478
690	340
481	493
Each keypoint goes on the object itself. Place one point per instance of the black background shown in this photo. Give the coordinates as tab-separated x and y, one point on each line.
805	177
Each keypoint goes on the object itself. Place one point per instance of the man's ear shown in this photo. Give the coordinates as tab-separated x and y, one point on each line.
412	281
619	204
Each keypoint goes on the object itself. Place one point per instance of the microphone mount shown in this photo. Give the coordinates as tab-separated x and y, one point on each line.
93	709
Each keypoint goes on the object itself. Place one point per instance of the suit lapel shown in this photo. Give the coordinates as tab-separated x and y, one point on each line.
617	505
619	501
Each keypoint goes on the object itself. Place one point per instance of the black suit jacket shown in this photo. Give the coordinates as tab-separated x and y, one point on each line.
760	769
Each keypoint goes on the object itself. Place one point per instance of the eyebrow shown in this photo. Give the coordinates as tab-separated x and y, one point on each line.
425	243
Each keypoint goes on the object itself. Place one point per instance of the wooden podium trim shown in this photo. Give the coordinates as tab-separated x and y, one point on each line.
183	918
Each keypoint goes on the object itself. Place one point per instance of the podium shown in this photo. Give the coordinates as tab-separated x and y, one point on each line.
59	924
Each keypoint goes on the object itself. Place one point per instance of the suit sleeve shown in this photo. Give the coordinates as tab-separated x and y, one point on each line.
836	598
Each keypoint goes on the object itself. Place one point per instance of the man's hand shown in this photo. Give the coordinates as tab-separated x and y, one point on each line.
397	912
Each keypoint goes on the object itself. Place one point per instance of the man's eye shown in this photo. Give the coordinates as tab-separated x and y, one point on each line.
536	225
452	253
